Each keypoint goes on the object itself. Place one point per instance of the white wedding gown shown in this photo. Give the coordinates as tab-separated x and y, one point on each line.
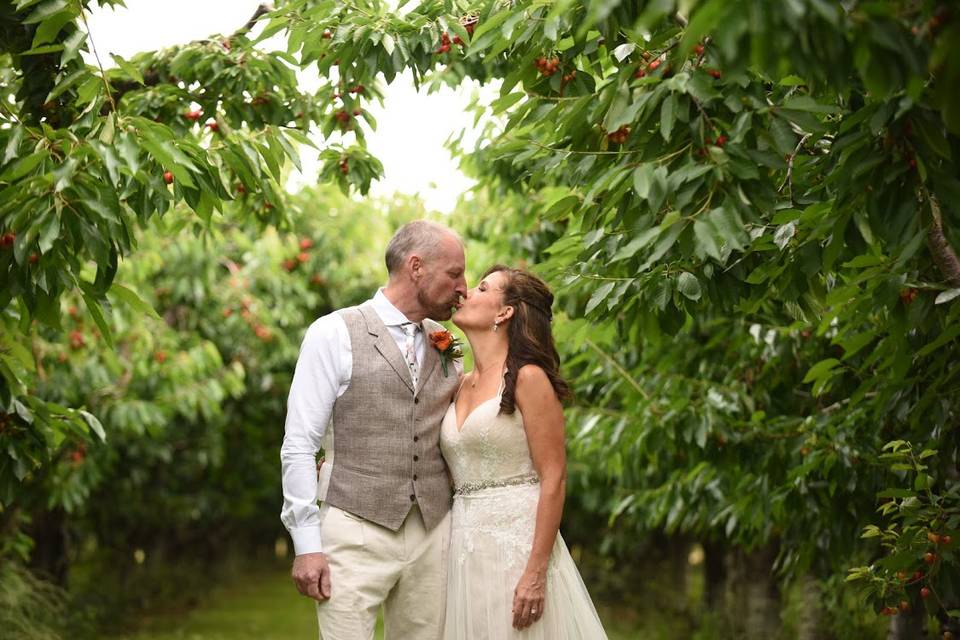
493	520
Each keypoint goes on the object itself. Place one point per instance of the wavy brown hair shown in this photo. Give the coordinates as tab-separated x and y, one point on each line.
529	336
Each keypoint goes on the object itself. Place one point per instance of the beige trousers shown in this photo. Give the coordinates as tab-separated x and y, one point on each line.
405	571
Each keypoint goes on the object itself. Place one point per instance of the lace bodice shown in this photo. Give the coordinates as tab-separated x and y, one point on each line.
489	448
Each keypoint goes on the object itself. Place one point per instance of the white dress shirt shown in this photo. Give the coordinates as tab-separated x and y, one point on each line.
323	372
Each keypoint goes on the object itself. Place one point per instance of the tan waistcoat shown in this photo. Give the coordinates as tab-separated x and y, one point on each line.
385	438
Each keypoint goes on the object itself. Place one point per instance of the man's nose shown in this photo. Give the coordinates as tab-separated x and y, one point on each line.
462	288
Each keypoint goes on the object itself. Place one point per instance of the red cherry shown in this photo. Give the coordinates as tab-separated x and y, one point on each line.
904	606
654	64
168	177
327	34
7	239
303	256
34	258
77	341
698	49
715	73
213	126
946	539
194	115
924	592
721	140
929	558
240	188
907	296
306	243
290	265
160	356
457	40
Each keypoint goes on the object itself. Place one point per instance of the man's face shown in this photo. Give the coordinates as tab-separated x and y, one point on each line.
442	282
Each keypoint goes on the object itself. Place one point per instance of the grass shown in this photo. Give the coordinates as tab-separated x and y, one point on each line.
264	605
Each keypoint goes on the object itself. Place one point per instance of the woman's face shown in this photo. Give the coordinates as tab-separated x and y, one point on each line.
483	304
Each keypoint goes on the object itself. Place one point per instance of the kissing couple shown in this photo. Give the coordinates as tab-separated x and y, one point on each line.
441	492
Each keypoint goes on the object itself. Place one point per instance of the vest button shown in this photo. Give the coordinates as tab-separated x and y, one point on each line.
416	401
414	477
415	458
413	498
416	438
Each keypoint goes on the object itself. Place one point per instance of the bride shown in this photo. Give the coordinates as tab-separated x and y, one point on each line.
510	574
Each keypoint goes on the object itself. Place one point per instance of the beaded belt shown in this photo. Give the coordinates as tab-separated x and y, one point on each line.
472	487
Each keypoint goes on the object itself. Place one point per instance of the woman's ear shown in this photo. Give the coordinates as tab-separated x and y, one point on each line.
505	313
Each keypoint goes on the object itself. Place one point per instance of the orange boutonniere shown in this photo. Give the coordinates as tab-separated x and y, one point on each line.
448	346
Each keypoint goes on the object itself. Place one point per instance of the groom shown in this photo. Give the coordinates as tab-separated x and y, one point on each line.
369	389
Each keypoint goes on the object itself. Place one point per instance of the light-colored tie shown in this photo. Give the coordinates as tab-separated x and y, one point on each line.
410	350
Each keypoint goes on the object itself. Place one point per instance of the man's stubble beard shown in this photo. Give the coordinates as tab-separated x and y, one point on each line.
435	310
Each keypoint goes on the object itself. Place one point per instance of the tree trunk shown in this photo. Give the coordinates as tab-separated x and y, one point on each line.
909	626
678	551
943	254
760	598
714	575
811	617
49	556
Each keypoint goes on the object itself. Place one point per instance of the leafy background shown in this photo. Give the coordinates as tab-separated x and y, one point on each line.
747	211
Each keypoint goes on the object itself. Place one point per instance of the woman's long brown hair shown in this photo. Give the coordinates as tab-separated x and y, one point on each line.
529	336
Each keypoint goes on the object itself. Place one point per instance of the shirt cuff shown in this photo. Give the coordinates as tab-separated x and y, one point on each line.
306	540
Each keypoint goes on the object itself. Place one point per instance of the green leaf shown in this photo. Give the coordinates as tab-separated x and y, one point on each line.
48	30
642	179
128	68
47	48
45	10
94	424
97	314
806	103
946	296
688	285
23	166
667	116
821	370
599	296
133	300
706	239
636	244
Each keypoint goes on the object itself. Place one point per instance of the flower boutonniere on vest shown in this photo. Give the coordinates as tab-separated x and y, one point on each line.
448	346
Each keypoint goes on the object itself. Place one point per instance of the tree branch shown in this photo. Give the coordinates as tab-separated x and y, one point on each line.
152	78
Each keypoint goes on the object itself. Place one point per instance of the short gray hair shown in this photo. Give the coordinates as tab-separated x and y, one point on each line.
422	237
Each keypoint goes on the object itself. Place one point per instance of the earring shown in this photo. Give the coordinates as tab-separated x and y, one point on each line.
496	324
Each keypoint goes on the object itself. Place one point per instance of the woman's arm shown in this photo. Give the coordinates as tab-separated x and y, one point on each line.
544	425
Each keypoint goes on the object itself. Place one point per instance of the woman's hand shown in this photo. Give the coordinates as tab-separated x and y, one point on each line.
528	598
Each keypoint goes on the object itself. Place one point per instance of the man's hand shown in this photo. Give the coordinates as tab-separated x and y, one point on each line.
311	574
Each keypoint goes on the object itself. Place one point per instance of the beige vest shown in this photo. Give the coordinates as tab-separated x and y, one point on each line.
384	438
